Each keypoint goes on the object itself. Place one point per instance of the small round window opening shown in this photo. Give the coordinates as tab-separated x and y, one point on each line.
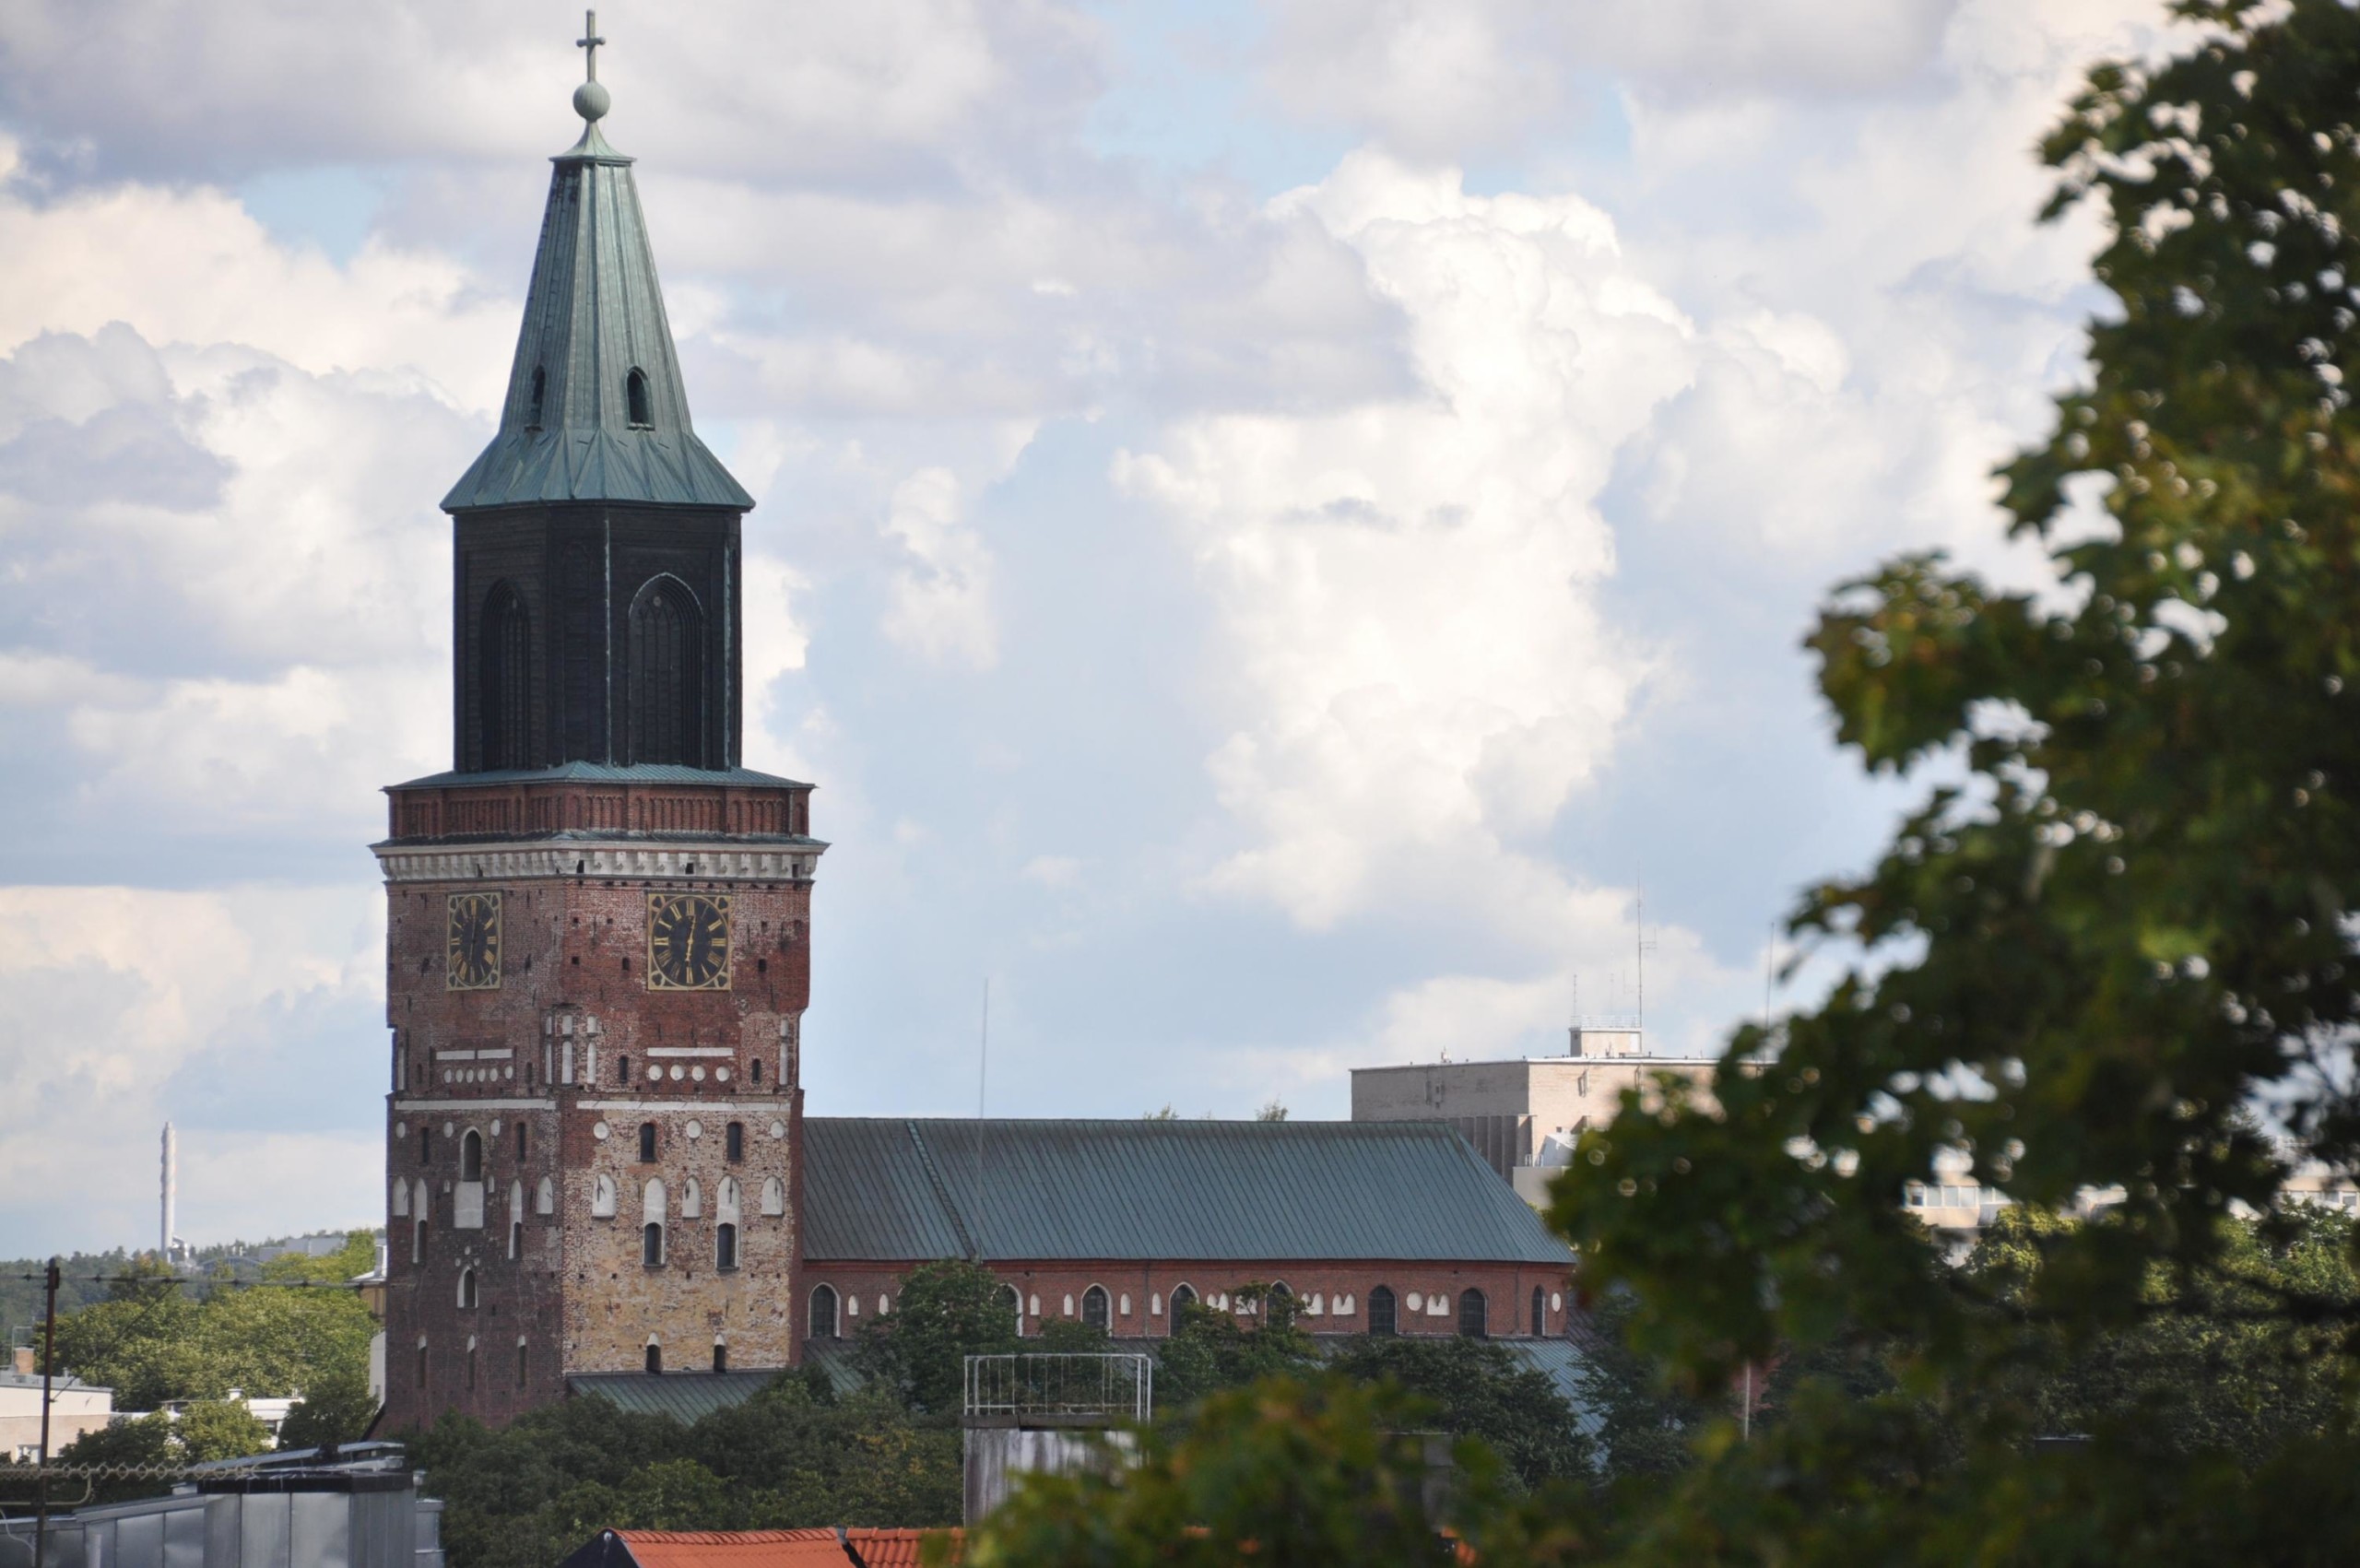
636	400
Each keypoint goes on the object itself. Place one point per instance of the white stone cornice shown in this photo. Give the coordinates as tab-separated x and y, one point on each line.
526	860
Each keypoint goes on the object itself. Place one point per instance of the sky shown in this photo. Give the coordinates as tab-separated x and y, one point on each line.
1284	530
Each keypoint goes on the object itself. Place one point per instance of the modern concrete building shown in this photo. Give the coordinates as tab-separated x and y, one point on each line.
1523	1115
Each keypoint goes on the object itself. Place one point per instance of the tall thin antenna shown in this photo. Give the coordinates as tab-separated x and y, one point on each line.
1641	945
983	1071
1769	966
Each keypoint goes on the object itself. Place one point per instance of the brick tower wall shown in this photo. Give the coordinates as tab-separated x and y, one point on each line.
546	1050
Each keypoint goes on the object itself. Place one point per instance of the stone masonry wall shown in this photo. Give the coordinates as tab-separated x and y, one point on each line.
550	1048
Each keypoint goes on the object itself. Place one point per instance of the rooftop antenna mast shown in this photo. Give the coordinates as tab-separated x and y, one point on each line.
983	1069
1641	945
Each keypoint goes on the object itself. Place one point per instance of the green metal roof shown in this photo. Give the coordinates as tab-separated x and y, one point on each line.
592	315
609	772
901	1190
683	1396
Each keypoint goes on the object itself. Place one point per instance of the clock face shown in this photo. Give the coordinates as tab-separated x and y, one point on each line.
688	942
472	956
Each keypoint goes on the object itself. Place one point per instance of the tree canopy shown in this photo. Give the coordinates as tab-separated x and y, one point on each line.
2086	966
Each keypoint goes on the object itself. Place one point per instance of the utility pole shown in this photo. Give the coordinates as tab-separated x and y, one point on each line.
48	1371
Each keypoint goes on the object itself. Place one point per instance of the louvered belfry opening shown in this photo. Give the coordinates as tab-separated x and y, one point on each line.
507	674
665	685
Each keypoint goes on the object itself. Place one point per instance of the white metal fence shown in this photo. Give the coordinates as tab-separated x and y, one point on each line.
1061	1388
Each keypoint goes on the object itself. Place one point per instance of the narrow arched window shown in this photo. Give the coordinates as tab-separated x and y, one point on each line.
1381	1315
471	1156
823	1311
545	1197
1472	1310
735	1141
725	1245
1094	1308
417	1241
758	1069
522	1363
425	1145
505	666
515	1238
654	1358
635	399
663	686
533	405
1184	1298
646	1143
1540	1309
467	1288
520	1136
651	1245
401	1199
1014	1304
720	1356
692	1200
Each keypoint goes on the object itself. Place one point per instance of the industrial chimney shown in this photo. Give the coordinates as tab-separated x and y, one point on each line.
172	1181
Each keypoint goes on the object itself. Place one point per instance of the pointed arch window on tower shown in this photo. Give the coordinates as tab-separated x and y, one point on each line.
665	685
636	400
506	671
540	390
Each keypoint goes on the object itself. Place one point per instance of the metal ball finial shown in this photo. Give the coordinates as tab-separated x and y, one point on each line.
590	100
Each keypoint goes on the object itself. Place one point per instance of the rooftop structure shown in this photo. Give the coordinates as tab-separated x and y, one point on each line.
1523	1115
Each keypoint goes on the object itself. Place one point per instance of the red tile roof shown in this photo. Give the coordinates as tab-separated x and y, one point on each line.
734	1549
897	1548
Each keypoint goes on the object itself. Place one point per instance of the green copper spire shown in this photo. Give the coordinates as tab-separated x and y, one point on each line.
595	407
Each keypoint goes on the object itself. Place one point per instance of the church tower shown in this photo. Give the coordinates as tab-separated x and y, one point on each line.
598	924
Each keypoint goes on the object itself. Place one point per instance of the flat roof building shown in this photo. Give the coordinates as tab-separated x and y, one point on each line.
1523	1115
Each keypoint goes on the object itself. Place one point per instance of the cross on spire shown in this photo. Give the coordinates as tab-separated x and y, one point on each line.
589	43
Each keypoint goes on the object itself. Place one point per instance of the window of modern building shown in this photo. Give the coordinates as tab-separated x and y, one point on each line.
823	1311
1095	1308
1472	1314
734	1143
1381	1311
